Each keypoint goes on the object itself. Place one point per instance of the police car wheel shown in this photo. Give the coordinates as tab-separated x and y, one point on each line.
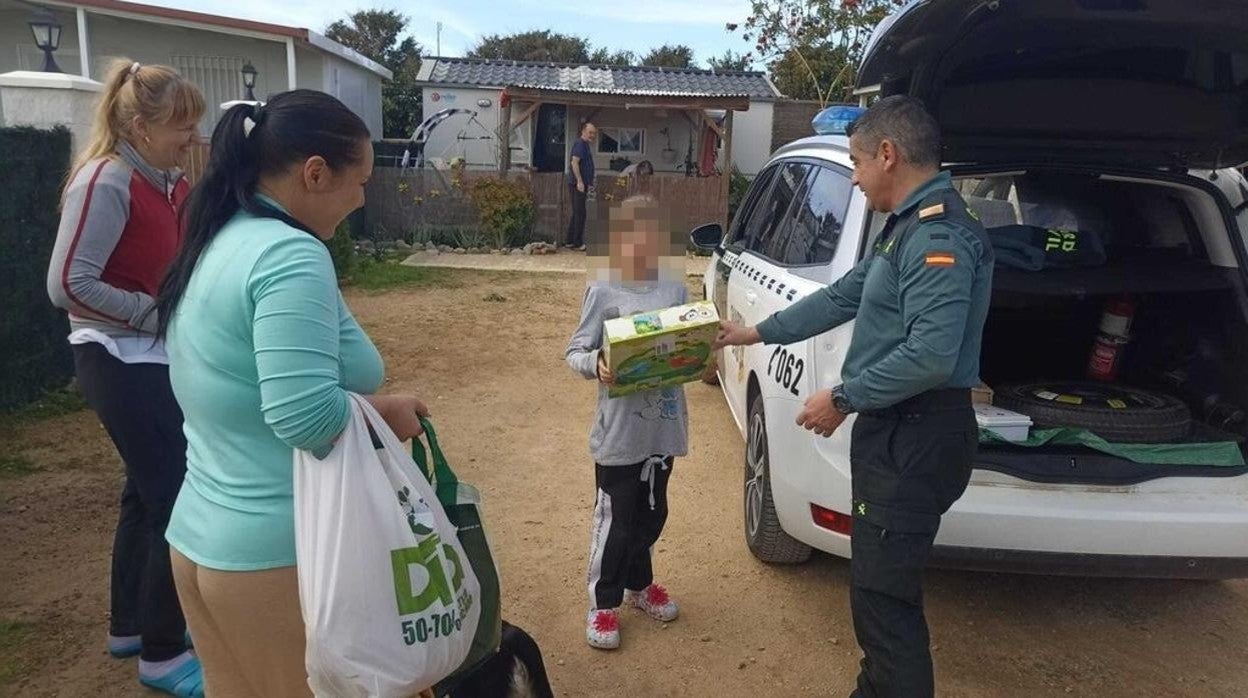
1115	413
763	534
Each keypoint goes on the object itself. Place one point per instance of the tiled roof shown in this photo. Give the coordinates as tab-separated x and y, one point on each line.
473	72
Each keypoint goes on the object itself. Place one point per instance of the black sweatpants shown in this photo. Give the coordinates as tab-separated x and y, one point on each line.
629	515
135	403
576	225
909	465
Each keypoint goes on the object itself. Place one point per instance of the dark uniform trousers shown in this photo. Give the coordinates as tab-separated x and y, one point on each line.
909	463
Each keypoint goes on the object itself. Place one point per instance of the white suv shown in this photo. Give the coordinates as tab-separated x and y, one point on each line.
1115	119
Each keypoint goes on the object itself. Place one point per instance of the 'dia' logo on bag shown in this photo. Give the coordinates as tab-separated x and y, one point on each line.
422	582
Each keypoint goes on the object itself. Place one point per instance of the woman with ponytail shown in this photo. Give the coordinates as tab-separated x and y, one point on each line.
263	352
118	233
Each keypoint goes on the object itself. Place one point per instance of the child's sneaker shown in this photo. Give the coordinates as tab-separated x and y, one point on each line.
655	601
603	631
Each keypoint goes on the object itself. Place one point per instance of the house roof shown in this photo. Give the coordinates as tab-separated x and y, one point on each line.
596	79
231	25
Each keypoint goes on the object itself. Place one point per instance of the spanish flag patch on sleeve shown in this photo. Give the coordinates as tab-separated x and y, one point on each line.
940	259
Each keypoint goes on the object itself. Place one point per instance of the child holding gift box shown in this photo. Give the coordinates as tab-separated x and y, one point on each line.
634	438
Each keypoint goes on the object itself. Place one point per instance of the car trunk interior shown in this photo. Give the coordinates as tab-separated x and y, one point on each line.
1166	250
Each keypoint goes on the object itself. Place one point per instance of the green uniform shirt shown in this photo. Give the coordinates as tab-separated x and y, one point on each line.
920	299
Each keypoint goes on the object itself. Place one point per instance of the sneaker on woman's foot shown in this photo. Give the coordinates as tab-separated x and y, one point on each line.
655	601
603	631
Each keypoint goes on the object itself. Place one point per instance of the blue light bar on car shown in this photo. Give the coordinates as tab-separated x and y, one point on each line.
835	120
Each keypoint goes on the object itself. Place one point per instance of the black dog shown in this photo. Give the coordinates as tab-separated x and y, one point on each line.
516	671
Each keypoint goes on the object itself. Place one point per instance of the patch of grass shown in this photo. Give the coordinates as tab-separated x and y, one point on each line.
373	275
16	465
12	638
55	403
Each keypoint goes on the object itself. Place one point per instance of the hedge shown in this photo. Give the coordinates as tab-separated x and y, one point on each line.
36	357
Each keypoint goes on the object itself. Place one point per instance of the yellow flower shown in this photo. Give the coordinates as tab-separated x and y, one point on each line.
435	193
403	187
418	200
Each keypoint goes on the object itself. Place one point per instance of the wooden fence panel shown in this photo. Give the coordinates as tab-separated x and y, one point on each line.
401	202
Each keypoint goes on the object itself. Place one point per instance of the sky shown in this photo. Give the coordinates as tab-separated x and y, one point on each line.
636	25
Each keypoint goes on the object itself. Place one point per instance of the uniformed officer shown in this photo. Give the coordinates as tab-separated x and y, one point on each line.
920	299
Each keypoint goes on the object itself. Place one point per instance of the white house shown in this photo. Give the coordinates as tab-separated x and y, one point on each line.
660	115
211	50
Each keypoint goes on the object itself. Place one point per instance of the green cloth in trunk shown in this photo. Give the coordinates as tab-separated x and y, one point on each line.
1220	453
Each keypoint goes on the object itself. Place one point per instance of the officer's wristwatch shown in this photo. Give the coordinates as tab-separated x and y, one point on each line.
841	401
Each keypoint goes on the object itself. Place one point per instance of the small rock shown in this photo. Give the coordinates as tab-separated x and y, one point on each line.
743	665
517	252
560	662
836	640
935	648
705	638
460	250
752	660
23	509
1070	689
496	252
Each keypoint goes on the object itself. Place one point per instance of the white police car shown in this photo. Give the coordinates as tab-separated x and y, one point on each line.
1112	121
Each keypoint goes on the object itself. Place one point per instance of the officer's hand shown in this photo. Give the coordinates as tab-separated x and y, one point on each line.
580	186
733	335
820	415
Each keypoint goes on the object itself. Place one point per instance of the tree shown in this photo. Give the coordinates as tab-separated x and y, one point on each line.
822	40
669	56
730	61
375	34
536	45
791	72
604	56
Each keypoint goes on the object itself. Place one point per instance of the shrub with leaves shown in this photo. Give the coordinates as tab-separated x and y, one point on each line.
342	250
738	185
506	210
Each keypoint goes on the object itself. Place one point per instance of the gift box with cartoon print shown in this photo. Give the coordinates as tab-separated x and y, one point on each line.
659	348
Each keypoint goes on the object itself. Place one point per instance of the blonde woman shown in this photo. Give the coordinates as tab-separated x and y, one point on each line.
118	234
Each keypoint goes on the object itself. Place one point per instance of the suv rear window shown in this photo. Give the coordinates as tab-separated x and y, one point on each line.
817	219
770	216
1126	217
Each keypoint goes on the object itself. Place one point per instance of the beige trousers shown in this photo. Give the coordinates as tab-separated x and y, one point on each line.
247	629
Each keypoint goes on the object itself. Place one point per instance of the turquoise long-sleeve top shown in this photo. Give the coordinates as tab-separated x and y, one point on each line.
262	353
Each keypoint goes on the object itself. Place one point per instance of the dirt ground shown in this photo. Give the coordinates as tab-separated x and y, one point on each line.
514	420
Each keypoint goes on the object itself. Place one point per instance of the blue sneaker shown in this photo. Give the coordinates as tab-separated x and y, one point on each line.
187	681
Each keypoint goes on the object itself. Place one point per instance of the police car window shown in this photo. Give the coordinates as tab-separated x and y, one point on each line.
757	192
771	216
817	220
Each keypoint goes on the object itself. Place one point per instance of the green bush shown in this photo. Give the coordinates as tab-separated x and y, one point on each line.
738	185
37	358
342	250
506	211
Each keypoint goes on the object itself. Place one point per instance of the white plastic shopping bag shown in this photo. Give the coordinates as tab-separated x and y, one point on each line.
389	603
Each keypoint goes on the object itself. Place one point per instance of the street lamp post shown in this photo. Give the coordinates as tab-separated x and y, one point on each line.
249	82
47	33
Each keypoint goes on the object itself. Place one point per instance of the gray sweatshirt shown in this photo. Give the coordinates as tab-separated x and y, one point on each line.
119	232
629	429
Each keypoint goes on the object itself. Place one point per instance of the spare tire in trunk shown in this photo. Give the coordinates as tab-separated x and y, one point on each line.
1114	413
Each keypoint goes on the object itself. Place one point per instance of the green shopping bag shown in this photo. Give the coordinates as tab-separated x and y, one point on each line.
461	502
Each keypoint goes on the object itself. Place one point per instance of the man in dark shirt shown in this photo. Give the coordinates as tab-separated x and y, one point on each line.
580	179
